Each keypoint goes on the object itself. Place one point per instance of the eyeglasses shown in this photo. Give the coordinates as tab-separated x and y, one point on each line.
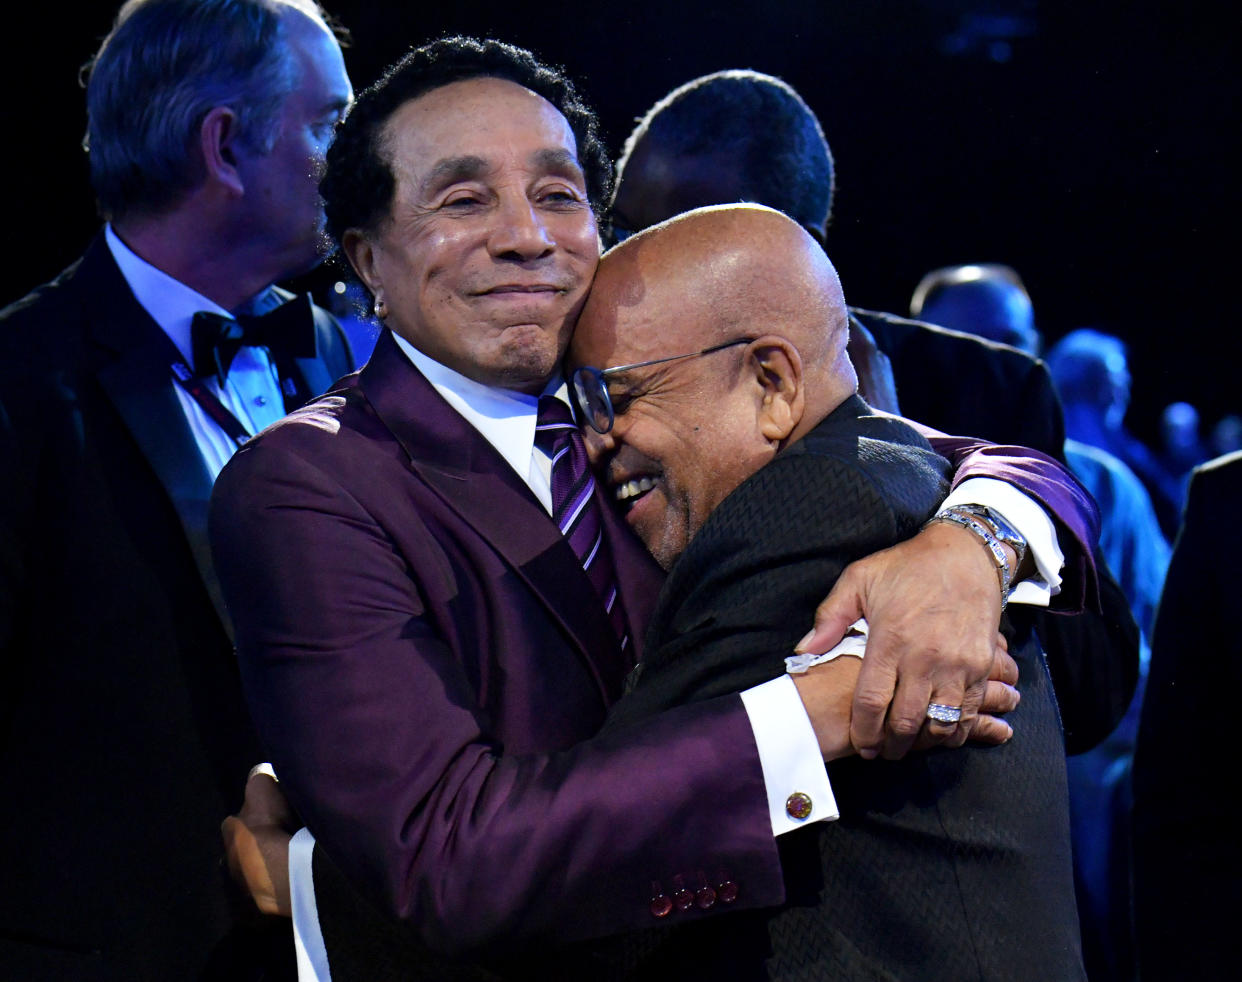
590	387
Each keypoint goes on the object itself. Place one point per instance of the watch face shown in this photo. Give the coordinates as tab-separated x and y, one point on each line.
1011	535
1004	531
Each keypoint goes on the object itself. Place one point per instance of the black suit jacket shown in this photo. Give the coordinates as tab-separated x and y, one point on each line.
1187	856
991	384
964	384
124	738
946	865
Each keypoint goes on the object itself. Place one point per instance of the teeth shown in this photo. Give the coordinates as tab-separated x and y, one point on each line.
632	489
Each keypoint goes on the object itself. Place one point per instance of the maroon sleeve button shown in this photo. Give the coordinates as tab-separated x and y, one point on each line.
683	899
660	904
726	892
705	898
798	805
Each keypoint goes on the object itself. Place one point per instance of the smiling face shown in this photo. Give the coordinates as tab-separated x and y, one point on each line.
485	259
685	433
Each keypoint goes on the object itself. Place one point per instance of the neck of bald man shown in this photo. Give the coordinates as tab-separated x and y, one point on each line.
825	389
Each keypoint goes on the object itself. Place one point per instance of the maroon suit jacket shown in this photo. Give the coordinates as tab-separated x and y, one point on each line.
428	667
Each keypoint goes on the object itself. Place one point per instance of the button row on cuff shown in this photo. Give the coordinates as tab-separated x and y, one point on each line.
704	898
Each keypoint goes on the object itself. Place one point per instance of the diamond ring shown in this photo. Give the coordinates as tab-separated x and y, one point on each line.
943	714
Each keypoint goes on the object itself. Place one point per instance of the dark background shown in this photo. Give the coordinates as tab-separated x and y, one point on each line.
1090	145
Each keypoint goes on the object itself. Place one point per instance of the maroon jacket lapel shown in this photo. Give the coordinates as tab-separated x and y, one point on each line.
467	473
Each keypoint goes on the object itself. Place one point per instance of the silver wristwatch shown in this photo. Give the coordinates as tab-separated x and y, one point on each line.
1000	528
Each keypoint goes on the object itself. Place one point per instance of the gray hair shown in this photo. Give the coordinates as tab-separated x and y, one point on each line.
164	66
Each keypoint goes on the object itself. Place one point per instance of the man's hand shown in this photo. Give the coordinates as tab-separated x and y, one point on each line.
827	692
256	844
932	604
999	697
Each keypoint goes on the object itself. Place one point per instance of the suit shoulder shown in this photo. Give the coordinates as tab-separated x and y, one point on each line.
903	332
1223	471
1214	488
313	428
880	449
50	306
42	332
874	475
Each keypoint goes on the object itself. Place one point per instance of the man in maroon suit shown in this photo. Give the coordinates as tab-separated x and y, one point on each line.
424	651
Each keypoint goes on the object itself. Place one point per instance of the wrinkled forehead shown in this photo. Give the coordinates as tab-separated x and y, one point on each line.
493	121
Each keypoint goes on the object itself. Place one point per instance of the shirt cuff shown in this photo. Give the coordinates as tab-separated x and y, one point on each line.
1026	515
308	943
789	755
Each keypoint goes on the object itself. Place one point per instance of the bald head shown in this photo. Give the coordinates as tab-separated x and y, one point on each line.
712	275
748	283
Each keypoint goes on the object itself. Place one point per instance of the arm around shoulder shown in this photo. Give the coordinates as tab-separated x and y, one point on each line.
364	684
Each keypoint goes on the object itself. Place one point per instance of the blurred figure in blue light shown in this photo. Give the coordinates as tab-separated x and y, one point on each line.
1227	435
1092	376
987	299
1182	448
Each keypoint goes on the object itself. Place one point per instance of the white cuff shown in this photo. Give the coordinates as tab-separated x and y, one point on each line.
1026	515
308	943
789	754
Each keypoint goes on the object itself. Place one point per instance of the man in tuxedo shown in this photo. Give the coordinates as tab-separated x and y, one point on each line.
125	736
710	361
425	643
745	136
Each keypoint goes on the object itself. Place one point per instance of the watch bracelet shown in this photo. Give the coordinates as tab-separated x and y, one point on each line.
968	520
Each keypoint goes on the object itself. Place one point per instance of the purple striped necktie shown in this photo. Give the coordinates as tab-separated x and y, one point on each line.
575	508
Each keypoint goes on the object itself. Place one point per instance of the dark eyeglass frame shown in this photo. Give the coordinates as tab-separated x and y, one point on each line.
589	383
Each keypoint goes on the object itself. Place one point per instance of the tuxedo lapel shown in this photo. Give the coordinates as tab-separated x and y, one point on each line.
471	477
138	381
317	361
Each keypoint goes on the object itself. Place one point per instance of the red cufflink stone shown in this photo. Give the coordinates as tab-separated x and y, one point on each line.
798	805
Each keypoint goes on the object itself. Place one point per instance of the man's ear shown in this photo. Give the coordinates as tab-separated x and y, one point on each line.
361	255
777	368
218	140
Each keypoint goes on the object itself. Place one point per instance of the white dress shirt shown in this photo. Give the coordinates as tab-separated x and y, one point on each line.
252	390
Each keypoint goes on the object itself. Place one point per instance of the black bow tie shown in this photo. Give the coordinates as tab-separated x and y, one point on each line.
288	331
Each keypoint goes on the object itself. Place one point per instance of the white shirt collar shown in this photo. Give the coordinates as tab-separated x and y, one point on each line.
505	418
171	304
